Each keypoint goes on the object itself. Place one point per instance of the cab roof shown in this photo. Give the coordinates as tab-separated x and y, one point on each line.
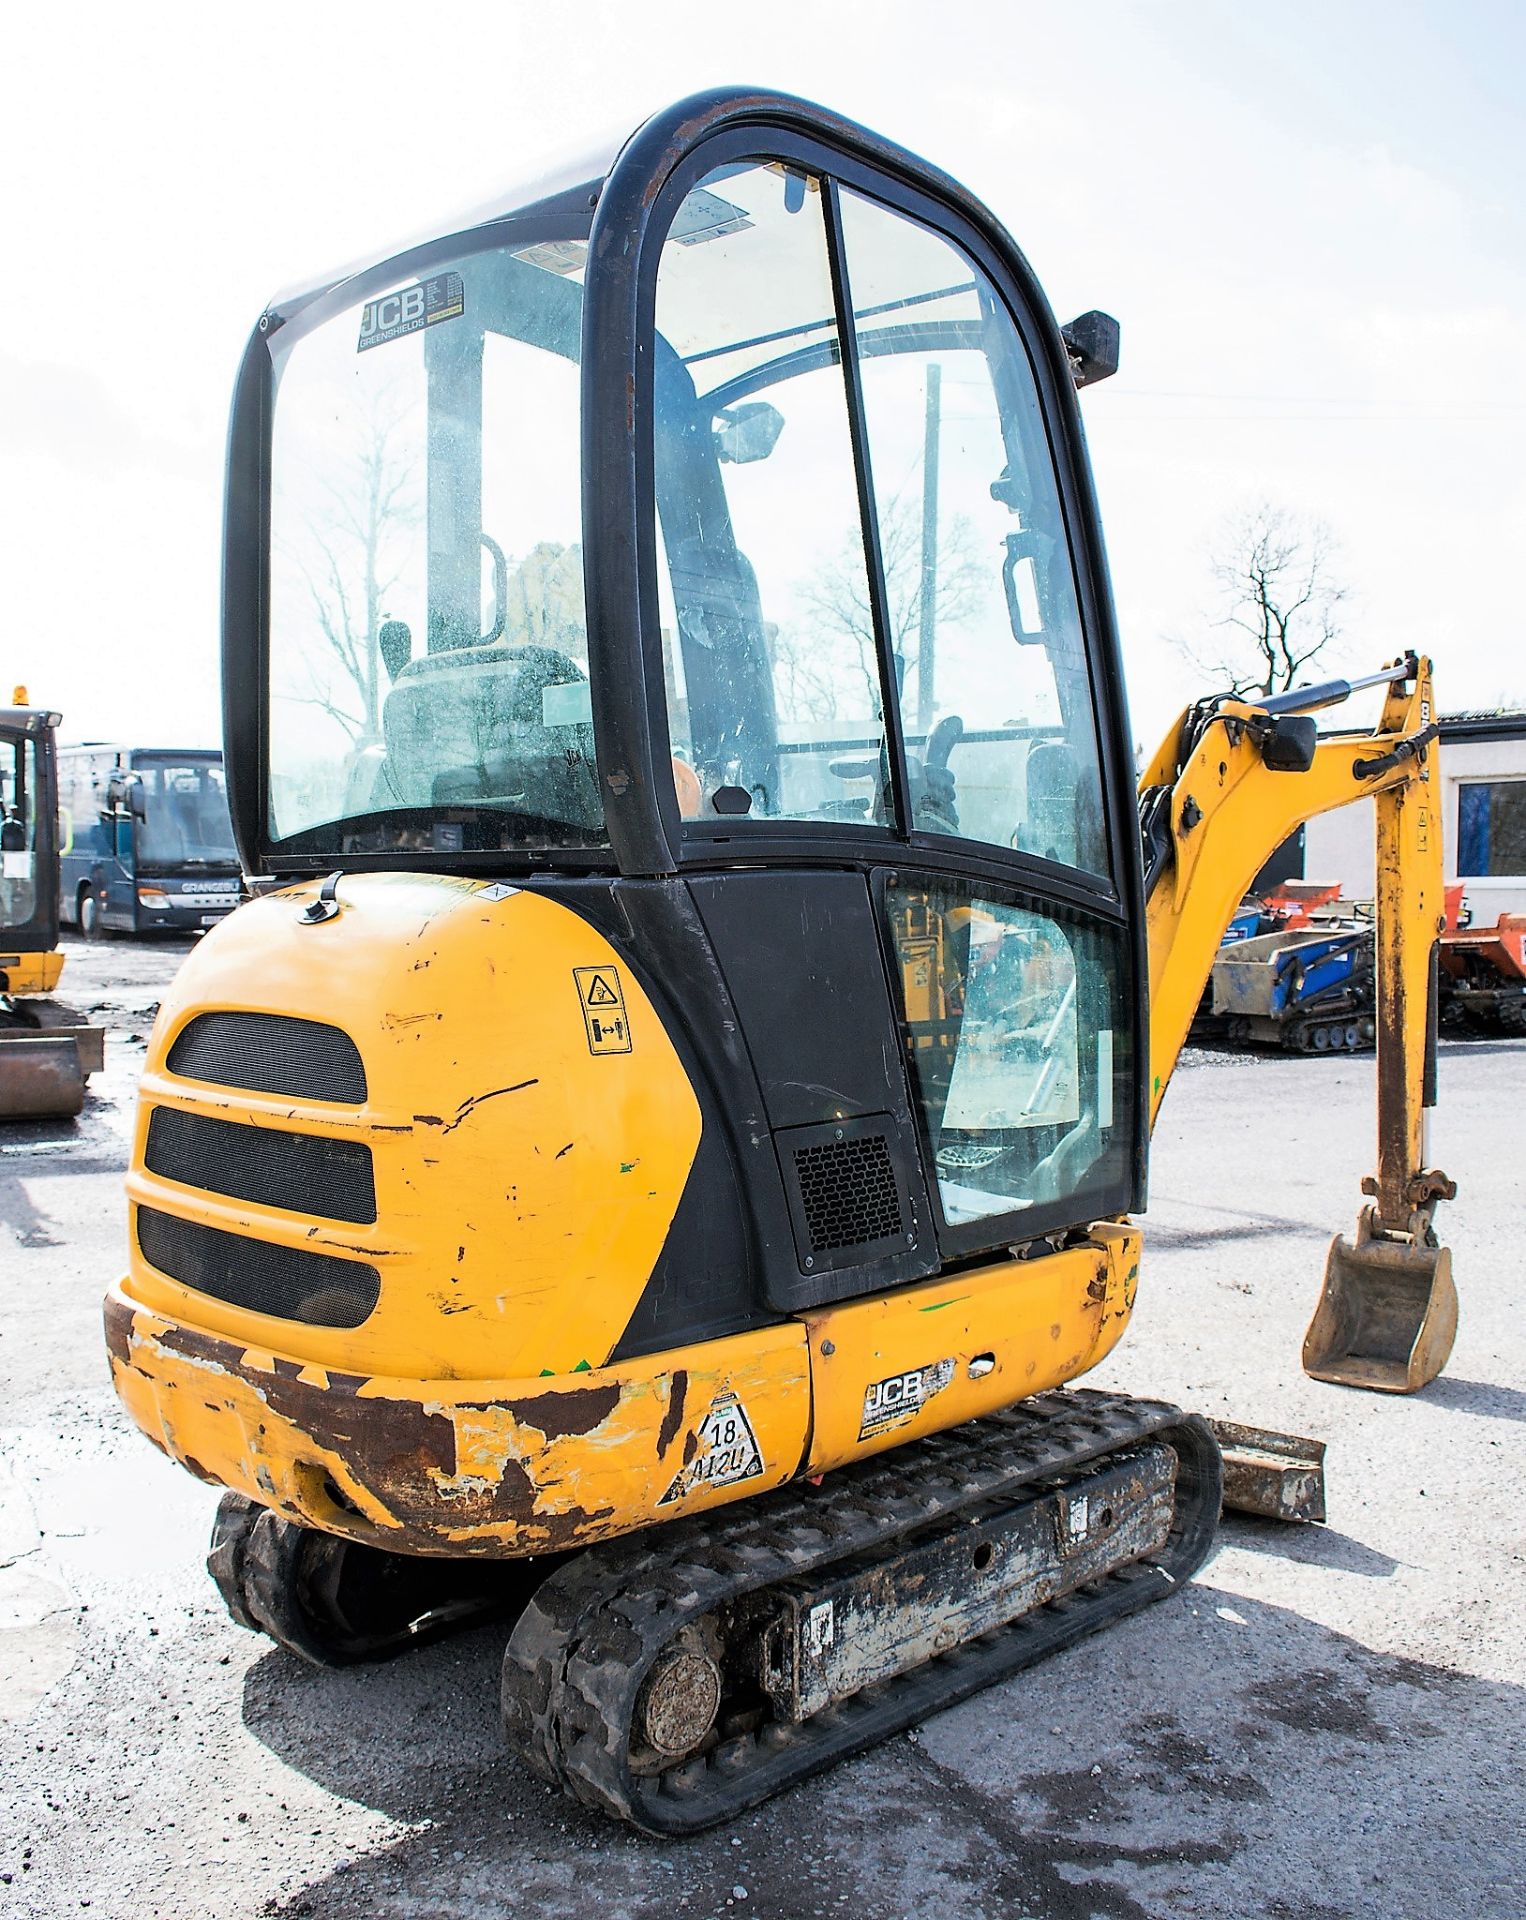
28	719
569	184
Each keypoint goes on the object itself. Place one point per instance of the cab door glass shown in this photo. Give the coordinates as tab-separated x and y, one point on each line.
985	624
1019	1048
773	685
18	830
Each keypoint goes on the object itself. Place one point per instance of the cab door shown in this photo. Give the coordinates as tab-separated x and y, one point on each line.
873	684
1008	947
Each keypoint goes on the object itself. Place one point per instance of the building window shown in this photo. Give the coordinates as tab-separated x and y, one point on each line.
1491	829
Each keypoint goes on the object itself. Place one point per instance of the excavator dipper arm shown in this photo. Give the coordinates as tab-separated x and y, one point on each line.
1231	781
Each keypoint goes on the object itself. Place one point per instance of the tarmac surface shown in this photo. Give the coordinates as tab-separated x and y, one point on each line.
1329	1723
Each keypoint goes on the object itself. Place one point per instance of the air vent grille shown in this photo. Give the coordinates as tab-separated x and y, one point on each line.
848	1192
271	1053
288	1283
300	1171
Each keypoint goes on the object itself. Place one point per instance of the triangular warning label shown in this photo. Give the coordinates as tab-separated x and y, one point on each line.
603	997
721	1450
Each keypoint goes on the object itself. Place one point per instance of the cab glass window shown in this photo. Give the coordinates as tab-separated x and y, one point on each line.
772	676
18	829
983	614
428	656
1019	1044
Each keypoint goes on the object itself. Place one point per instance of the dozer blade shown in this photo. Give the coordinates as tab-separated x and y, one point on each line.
40	1078
1277	1476
1387	1316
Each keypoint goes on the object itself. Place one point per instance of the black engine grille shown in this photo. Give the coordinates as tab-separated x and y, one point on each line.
301	1171
271	1053
285	1282
849	1193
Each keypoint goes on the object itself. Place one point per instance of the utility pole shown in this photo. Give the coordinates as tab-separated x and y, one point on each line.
928	610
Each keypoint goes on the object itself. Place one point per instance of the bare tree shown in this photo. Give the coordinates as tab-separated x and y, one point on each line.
1279	601
352	567
545	600
838	601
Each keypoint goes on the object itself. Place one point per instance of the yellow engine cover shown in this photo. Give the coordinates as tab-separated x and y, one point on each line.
527	1159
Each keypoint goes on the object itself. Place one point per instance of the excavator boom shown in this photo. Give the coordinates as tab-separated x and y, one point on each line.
1230	782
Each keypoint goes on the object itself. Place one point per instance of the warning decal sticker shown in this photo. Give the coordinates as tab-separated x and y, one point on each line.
890	1402
603	1001
721	1450
409	309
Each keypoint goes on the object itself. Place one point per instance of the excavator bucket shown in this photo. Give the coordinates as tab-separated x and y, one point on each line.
1387	1316
41	1078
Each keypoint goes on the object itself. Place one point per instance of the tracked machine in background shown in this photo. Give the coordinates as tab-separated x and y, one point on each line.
46	1051
655	1157
1483	976
1308	989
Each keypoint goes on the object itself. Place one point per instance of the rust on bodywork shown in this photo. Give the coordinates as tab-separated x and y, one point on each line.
578	1410
433	1467
677	1394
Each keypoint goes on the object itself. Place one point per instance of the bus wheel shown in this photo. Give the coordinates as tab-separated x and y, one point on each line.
89	914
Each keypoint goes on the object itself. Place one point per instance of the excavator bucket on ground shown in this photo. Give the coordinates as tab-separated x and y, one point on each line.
41	1078
1387	1316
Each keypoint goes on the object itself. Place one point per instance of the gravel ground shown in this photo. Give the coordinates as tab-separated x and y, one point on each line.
1327	1724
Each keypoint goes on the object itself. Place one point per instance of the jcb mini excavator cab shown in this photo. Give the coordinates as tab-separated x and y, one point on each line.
44	1061
670	611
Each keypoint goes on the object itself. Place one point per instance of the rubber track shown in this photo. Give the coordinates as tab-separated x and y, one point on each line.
285	1580
279	1563
236	1520
576	1660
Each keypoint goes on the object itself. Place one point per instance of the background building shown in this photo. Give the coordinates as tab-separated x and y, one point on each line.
1483	815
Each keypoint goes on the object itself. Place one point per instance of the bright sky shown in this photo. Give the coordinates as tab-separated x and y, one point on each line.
1308	219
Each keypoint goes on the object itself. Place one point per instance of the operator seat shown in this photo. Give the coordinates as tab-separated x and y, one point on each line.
476	724
1051	826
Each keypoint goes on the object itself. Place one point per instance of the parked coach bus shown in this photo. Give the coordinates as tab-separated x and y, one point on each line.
145	842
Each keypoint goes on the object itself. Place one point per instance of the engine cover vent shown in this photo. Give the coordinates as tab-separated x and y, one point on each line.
271	1053
301	1171
846	1193
288	1283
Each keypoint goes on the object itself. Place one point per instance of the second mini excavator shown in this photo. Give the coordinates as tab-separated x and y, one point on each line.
654	1154
46	1052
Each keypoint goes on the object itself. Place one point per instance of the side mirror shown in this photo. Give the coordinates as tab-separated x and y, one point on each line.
137	805
1091	340
748	432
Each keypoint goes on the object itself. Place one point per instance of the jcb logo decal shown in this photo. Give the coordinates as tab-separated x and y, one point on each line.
888	1402
405	311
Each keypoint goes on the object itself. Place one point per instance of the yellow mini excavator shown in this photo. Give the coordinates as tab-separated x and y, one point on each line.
46	1052
665	1133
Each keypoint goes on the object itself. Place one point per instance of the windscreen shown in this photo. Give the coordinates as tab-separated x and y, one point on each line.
428	657
185	819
